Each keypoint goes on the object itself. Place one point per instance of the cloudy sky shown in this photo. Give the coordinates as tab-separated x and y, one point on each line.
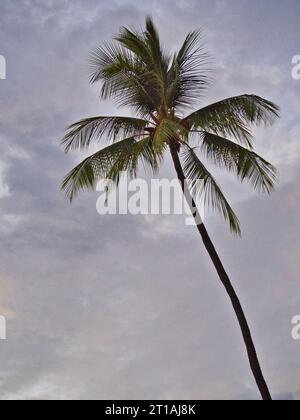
130	307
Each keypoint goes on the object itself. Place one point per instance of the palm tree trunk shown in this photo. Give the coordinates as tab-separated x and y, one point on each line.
252	355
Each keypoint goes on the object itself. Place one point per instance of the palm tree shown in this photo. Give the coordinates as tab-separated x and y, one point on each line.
136	71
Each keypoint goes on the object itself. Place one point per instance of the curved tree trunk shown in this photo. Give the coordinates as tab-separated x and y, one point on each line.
252	355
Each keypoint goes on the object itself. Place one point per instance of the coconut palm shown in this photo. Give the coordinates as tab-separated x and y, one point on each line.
161	89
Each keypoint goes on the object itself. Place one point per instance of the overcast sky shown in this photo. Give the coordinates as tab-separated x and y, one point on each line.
130	307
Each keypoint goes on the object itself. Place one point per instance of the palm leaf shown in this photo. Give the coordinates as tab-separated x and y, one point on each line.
208	189
232	117
245	163
110	60
160	61
82	133
166	131
108	163
94	168
125	77
188	73
141	151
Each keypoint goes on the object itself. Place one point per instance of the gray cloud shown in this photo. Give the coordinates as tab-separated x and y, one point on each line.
127	307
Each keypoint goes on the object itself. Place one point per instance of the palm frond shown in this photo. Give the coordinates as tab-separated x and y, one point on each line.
160	61
136	43
94	168
233	116
125	78
147	50
110	60
188	75
245	163
166	131
108	163
82	133
140	152
208	189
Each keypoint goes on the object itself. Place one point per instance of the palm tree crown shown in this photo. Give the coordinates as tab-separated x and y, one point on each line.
136	71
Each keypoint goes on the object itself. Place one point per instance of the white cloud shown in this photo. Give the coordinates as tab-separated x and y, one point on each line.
9	222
